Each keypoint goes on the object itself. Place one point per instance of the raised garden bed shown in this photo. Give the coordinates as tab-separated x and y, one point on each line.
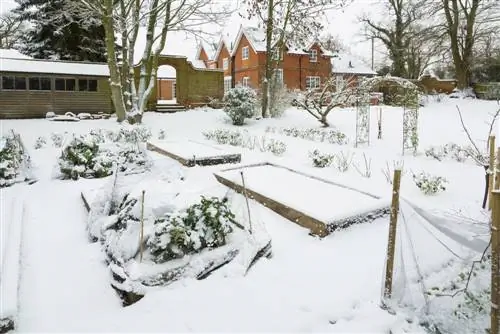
191	153
318	204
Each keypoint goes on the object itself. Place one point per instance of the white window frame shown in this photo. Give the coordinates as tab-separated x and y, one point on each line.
313	56
227	83
245	82
278	73
225	63
245	53
313	82
339	81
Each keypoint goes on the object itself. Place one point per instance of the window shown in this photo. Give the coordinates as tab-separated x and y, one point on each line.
65	84
313	56
227	83
278	76
245	82
278	54
225	63
313	82
87	85
245	53
39	84
339	81
14	83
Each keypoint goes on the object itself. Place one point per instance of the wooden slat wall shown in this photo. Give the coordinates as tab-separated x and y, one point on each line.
35	104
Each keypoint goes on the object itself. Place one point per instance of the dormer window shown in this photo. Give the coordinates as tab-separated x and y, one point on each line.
313	55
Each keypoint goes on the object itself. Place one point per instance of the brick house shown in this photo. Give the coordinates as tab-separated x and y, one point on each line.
347	68
299	68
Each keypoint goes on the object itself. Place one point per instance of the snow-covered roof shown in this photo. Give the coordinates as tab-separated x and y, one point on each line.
257	39
343	63
11	53
223	42
53	67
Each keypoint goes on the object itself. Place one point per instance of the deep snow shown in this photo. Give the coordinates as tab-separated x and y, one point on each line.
330	285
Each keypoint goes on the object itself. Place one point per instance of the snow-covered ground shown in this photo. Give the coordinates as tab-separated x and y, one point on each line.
333	284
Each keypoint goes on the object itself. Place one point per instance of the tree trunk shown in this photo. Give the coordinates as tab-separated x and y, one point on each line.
268	72
114	73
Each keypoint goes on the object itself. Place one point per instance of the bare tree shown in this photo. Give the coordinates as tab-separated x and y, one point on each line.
319	103
286	22
332	43
466	23
10	27
127	20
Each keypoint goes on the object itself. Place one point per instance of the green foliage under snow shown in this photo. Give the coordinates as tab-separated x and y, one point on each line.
320	159
429	184
10	160
312	134
203	225
240	103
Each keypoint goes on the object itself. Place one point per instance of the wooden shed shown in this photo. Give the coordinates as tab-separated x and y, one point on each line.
30	88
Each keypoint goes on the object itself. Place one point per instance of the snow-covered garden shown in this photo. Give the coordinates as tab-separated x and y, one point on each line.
69	260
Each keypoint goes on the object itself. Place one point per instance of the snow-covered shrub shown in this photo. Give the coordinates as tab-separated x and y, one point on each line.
450	150
240	103
429	184
276	147
225	137
129	158
131	134
366	171
343	161
80	158
321	159
280	100
40	142
10	160
318	135
161	134
98	135
50	114
203	225
57	139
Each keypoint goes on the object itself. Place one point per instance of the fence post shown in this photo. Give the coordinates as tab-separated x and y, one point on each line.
497	171
391	243
495	225
491	169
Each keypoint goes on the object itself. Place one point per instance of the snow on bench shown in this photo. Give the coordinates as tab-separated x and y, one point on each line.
191	153
11	226
312	202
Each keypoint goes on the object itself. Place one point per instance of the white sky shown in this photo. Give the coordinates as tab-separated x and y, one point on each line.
340	23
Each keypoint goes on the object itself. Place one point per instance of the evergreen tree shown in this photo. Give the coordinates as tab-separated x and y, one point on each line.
54	34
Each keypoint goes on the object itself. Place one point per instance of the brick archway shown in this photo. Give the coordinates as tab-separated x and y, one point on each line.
194	86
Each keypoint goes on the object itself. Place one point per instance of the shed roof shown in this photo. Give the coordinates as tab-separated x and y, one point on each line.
344	63
11	53
53	67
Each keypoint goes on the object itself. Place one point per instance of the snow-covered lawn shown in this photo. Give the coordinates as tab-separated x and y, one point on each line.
333	284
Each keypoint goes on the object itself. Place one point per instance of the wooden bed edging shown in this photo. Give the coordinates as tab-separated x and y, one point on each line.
316	226
207	161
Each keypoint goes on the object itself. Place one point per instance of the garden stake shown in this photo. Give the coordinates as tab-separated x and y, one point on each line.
491	168
495	225
497	171
246	199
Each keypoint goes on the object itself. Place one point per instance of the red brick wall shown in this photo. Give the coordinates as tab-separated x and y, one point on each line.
220	60
248	67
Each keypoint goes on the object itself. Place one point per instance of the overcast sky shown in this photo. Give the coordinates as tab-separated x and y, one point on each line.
340	23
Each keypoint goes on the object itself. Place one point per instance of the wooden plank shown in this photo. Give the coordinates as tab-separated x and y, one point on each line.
205	161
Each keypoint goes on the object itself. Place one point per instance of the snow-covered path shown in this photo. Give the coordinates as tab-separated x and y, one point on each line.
62	273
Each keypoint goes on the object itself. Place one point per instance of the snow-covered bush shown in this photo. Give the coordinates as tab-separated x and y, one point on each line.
225	137
429	184
129	158
10	160
40	142
80	158
450	150
321	159
50	114
161	134
57	139
276	147
280	100
240	103
203	225
343	161
131	134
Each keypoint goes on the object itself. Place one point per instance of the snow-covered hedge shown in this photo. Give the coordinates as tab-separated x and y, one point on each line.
244	139
202	225
320	159
40	143
450	150
240	103
312	134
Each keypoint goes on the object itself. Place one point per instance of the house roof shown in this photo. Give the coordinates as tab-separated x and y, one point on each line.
53	67
344	63
11	53
223	42
257	39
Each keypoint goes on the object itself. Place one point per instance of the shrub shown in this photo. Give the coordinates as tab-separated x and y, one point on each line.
40	142
161	134
10	157
240	103
80	159
343	161
429	184
57	139
281	99
276	147
313	134
203	225
131	134
450	150
321	160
